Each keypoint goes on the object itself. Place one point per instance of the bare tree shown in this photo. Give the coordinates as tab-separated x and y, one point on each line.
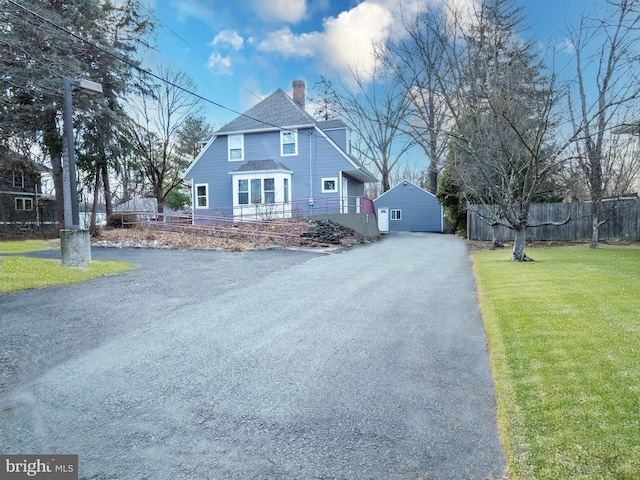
500	105
416	62
604	94
159	113
375	107
324	110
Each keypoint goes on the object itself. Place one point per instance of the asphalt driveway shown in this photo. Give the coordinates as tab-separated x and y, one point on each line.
370	363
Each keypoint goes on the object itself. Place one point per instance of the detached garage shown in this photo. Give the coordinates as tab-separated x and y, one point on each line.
407	207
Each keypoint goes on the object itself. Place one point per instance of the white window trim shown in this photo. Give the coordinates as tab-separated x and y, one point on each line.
265	191
196	196
335	182
295	142
236	196
24	201
241	136
399	217
278	185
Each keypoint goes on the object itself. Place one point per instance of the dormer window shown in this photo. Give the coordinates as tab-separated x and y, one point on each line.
236	147
288	143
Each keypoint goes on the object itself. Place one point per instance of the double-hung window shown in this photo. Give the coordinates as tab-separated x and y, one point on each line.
288	143
256	190
269	190
24	203
243	192
236	147
202	195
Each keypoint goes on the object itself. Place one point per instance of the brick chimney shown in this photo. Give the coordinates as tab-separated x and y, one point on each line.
298	92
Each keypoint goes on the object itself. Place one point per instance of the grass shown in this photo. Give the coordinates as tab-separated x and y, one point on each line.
24	273
564	339
23	246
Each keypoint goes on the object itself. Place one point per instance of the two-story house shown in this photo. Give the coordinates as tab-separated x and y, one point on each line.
22	204
276	161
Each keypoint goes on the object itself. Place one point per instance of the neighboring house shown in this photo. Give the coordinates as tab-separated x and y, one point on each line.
276	161
145	208
23	207
85	210
407	207
138	205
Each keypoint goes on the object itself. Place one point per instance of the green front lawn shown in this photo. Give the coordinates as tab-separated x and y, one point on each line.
23	273
564	339
22	246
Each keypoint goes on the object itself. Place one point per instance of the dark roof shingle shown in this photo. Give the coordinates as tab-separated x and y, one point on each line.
278	110
331	123
261	165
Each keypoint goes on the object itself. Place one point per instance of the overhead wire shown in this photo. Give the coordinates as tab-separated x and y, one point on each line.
140	69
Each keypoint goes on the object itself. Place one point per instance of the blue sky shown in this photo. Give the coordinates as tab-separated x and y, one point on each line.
239	52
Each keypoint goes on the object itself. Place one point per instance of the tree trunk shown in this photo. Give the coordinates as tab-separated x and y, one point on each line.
595	228
496	238
595	231
94	209
519	244
53	143
160	199
433	178
385	182
107	189
58	184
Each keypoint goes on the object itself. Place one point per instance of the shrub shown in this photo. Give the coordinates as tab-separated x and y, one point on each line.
122	220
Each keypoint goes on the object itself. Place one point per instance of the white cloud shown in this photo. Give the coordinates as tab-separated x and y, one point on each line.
345	44
195	8
347	41
350	37
288	44
220	64
289	11
228	37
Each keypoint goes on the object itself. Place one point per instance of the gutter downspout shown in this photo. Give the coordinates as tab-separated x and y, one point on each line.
310	172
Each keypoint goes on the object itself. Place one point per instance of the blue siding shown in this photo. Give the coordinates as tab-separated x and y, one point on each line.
421	211
338	135
317	158
213	169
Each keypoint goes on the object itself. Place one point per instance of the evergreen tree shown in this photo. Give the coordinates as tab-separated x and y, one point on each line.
43	42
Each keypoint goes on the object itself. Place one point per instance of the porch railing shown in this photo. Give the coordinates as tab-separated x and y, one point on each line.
296	209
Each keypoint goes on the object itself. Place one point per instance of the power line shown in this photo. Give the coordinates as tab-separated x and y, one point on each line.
138	68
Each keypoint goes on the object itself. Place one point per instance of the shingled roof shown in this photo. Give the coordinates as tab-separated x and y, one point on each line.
278	110
260	165
11	159
331	123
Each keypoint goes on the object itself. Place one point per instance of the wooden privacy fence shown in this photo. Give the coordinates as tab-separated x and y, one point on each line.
623	223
